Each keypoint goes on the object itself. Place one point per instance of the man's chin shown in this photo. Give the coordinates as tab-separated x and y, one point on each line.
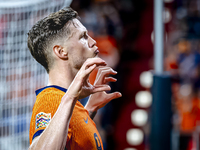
96	56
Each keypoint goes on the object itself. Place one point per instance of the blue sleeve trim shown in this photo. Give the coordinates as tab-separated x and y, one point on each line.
37	134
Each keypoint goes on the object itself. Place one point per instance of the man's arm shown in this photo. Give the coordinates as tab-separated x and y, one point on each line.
100	99
54	137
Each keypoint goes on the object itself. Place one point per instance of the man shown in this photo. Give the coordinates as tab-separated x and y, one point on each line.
61	44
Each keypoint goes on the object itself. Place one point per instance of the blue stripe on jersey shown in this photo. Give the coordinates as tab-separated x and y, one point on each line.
54	86
37	133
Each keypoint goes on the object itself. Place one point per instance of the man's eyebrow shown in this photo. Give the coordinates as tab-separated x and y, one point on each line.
82	33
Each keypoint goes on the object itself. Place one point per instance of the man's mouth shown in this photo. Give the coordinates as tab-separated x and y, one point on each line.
96	52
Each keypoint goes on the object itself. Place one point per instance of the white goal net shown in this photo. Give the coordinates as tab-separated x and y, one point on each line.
20	74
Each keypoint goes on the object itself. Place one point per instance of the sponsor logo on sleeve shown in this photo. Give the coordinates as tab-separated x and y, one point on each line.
42	120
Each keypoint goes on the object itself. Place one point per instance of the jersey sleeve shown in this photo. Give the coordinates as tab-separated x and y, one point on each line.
44	109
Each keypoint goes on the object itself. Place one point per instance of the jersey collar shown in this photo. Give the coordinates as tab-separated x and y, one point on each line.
54	86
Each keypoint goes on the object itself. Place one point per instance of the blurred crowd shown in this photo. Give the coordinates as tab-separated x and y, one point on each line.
182	60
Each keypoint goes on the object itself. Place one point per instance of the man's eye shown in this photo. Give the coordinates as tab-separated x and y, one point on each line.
85	36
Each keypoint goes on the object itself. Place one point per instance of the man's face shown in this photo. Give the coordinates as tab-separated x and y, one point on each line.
80	46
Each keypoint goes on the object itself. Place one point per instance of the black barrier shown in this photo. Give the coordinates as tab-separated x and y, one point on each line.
161	125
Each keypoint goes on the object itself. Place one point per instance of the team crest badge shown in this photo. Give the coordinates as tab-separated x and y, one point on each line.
42	120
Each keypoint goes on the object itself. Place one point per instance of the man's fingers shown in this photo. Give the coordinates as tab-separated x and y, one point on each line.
90	69
101	88
106	71
103	73
109	79
114	95
91	61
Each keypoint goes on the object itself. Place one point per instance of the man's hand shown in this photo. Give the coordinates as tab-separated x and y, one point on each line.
100	99
80	86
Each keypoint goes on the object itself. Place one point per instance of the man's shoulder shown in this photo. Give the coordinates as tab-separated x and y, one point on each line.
49	96
50	91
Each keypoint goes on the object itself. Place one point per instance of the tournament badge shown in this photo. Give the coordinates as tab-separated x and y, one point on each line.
42	120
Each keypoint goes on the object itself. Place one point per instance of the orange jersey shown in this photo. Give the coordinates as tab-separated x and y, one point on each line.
82	132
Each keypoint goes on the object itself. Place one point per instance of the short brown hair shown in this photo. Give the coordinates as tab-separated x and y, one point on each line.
46	31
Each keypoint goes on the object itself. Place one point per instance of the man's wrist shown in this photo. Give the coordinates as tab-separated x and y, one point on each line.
90	108
67	98
92	111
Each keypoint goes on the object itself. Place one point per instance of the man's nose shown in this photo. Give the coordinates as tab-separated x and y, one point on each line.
91	42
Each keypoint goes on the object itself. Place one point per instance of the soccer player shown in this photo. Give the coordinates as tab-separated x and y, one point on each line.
62	45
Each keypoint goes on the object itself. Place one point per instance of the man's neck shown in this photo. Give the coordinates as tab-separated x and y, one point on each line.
61	77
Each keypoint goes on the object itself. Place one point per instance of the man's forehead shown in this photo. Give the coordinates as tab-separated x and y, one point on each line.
77	24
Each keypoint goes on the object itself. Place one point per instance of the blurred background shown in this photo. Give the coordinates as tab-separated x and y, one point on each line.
124	31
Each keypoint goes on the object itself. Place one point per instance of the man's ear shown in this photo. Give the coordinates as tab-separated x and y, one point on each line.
59	51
